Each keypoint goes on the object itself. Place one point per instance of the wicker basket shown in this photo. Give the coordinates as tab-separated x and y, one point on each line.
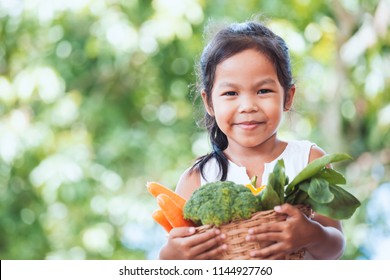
236	232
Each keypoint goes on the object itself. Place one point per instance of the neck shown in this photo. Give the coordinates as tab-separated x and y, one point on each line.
265	149
266	152
254	158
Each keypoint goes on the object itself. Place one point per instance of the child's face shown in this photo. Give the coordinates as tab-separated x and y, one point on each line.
247	98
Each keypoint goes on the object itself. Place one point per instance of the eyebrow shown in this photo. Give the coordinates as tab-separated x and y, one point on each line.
260	83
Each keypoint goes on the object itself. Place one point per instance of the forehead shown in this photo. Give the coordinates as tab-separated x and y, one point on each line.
247	64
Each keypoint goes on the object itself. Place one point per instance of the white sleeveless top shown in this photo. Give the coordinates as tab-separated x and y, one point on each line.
295	156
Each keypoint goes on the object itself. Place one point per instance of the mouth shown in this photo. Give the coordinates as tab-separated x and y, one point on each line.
249	125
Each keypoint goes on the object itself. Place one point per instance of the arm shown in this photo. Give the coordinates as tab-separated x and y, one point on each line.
182	242
189	181
328	238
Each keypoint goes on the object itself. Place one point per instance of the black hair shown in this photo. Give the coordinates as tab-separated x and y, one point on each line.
227	42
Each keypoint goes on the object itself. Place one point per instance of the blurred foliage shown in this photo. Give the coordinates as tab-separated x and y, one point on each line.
96	98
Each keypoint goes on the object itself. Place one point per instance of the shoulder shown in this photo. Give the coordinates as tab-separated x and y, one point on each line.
189	181
315	152
309	150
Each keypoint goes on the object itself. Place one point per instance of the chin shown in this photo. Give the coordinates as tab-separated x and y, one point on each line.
251	144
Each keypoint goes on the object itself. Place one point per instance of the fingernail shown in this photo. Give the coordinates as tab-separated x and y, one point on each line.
191	230
277	208
250	231
248	238
223	236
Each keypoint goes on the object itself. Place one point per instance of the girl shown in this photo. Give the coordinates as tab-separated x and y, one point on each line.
247	84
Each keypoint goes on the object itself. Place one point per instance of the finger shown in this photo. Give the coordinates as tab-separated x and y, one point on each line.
266	236
270	227
273	252
181	232
204	237
204	243
287	209
212	251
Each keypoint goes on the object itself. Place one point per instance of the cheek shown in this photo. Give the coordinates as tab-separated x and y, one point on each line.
223	115
276	110
273	110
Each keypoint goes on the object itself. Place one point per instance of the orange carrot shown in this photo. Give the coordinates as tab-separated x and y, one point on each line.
172	211
160	218
156	188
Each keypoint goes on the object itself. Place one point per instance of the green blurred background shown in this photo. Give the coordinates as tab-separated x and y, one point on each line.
96	99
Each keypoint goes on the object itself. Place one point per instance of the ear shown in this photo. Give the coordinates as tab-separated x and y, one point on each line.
289	98
206	103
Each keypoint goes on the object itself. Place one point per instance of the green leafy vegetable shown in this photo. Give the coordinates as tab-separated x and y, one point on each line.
317	185
318	190
273	194
332	176
341	207
279	180
269	198
314	167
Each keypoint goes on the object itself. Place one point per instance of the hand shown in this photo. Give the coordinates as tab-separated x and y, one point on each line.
285	236
184	244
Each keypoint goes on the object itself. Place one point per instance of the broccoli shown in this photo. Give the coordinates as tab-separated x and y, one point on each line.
219	203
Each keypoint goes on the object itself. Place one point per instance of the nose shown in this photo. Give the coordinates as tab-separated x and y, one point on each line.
248	104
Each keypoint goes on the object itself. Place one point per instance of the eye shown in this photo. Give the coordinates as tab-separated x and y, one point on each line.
264	91
230	93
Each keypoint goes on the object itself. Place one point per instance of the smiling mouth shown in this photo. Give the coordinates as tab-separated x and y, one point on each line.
249	125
